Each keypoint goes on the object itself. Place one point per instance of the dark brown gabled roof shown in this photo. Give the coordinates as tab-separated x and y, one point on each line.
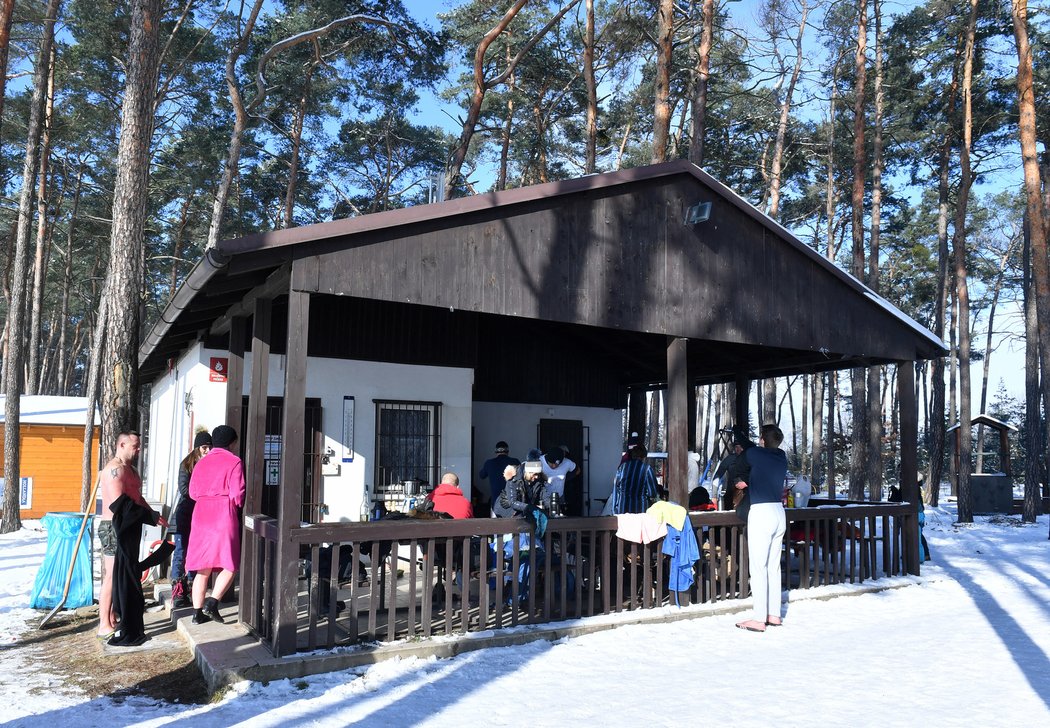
608	254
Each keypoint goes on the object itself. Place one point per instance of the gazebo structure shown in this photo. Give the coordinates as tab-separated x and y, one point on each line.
567	294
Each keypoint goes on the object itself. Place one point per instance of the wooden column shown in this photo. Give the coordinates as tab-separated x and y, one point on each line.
743	394
254	442
290	503
235	379
636	412
909	434
676	471
258	386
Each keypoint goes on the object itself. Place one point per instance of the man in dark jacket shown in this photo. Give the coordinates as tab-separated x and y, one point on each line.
526	489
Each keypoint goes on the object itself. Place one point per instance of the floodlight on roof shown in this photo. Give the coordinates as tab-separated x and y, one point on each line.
698	213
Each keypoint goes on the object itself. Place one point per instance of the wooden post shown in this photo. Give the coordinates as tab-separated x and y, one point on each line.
743	394
254	444
290	503
260	377
636	412
676	471
909	434
235	380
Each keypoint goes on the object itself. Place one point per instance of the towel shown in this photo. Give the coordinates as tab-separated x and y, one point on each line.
639	527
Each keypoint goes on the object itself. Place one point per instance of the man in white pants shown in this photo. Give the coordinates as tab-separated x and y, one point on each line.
766	524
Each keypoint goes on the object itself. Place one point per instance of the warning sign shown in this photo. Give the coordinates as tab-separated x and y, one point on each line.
218	368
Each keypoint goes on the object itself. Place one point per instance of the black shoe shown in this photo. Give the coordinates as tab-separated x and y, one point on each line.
181	602
199	617
211	610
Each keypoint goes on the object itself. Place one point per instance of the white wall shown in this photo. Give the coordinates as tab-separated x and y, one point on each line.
173	421
332	379
518	424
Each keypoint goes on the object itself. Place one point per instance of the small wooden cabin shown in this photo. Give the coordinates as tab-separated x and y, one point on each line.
52	430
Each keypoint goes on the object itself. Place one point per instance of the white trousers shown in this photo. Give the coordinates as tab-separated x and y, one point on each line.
766	524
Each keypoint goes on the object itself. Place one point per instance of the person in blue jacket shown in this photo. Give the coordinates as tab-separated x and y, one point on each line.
766	524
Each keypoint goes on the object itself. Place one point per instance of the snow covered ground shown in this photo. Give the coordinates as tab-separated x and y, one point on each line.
966	644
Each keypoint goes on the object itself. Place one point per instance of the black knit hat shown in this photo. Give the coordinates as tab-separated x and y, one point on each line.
202	438
223	436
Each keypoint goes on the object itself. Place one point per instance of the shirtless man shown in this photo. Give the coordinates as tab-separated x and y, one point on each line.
117	477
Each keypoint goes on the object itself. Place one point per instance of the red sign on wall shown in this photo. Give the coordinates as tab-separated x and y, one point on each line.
218	367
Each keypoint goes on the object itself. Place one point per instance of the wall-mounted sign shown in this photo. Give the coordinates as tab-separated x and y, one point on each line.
348	429
25	492
217	369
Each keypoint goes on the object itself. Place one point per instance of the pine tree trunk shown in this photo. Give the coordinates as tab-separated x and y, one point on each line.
7	14
508	130
64	355
590	162
1037	224
15	353
98	341
662	84
703	78
240	124
859	421
293	164
125	275
817	470
776	163
961	276
33	369
1035	464
874	398
769	401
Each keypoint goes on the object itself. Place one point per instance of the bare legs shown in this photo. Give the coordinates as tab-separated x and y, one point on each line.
223	580
107	620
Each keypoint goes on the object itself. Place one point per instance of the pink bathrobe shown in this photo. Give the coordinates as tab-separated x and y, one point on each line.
217	484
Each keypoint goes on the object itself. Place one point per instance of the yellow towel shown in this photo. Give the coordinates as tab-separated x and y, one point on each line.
669	513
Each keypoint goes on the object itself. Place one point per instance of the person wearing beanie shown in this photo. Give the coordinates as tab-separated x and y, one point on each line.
183	519
493	469
217	485
556	467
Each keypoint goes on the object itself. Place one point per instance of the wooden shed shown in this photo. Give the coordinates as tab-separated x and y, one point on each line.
569	292
52	440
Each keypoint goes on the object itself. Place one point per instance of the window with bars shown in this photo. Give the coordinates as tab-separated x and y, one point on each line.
408	440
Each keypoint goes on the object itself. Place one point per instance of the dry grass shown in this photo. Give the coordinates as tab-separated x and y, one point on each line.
68	648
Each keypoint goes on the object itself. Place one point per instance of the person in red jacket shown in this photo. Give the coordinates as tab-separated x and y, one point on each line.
448	498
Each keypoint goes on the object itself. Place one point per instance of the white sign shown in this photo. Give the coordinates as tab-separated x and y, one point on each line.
25	492
348	429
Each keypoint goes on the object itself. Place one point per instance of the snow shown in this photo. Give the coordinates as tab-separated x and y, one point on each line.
967	643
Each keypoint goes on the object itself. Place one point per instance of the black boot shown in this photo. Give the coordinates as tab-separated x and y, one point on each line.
199	617
211	609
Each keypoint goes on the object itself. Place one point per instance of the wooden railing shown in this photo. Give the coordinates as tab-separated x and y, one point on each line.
390	580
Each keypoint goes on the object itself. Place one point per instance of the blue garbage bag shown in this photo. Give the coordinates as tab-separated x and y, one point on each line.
62	530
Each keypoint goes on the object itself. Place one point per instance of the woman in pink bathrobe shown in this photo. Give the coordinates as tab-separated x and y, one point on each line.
217	485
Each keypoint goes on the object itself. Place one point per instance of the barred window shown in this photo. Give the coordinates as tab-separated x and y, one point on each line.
408	439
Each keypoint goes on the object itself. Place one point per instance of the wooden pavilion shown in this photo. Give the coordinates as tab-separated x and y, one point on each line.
658	275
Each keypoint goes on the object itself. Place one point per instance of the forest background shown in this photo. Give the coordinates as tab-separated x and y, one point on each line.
905	141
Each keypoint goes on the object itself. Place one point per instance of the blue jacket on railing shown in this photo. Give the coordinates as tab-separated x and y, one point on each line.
681	546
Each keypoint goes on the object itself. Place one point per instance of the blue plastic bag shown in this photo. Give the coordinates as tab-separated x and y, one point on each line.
62	530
